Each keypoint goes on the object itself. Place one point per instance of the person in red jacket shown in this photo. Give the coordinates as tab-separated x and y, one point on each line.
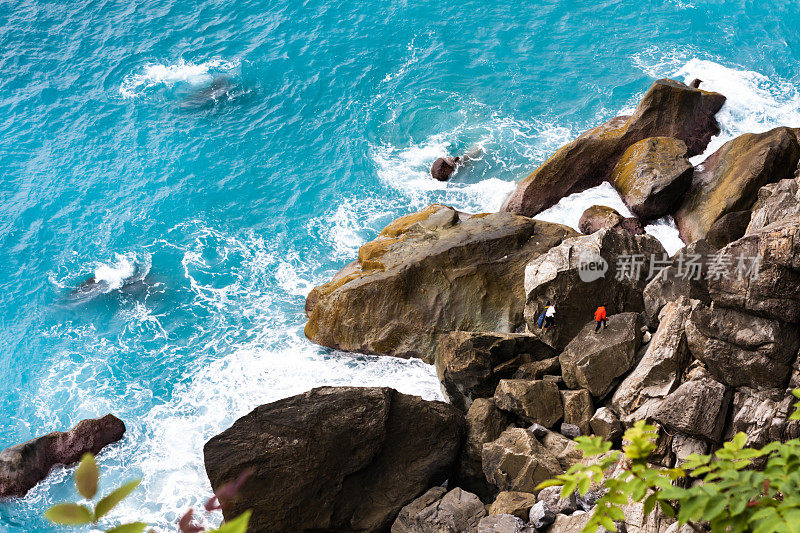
600	318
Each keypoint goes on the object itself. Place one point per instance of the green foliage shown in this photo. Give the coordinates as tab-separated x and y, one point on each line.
237	525
732	494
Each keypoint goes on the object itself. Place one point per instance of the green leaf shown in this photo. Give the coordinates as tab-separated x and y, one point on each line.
133	527
69	514
113	498
237	525
650	504
87	476
739	440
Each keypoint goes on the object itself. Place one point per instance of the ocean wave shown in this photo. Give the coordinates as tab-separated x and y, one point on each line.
155	74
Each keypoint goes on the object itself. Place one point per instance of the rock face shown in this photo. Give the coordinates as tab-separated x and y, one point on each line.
697	408
598	217
534	401
652	176
456	511
668	109
761	415
556	276
485	423
659	371
728	228
470	365
517	461
731	177
24	465
426	274
578	409
776	202
335	458
741	349
594	361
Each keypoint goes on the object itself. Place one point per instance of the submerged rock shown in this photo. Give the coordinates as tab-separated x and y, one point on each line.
426	274
652	176
439	511
598	217
443	168
730	178
668	109
335	458
24	465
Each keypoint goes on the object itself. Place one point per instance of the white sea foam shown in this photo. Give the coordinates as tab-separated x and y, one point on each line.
127	267
153	74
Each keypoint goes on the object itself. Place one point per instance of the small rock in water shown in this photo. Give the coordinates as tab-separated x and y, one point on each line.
443	168
570	430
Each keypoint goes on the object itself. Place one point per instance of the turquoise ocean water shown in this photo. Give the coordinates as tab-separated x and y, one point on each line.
229	210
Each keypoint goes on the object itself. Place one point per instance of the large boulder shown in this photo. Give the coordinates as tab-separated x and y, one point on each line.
558	276
439	511
485	423
762	415
740	349
22	466
534	401
776	202
731	177
598	217
471	364
517	461
728	228
697	408
514	503
658	373
605	423
595	361
426	274
335	458
668	109
652	176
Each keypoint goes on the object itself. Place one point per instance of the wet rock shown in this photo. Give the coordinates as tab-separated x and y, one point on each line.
730	178
728	228
659	371
501	524
578	409
552	497
538	369
24	465
444	167
740	349
541	515
514	503
696	408
598	217
470	364
485	423
426	274
556	276
456	511
319	458
776	202
668	109
534	401
595	361
605	424
652	176
517	461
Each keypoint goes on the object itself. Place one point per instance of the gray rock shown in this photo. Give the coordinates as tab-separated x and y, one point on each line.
564	449
595	361
541	515
570	431
552	497
573	523
534	401
538	369
776	202
485	423
456	511
578	409
605	424
683	446
517	461
589	500
696	408
501	524
761	415
538	430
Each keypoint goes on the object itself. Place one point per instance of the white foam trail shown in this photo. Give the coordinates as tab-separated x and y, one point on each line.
168	75
126	267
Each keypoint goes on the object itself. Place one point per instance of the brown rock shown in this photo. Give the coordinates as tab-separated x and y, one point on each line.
728	228
456	511
534	401
776	202
443	168
538	369
598	217
517	461
605	424
696	408
514	503
578	408
485	423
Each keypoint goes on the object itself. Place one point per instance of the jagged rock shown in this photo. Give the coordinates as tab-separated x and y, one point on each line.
594	361
761	415
731	177
514	503
728	228
456	511
471	364
538	369
684	277
740	349
605	424
636	521
562	448
573	523
658	373
541	515
598	217
517	461
652	175
776	202
485	423
683	446
534	401
426	274
578	409
772	289
24	465
552	497
668	109
539	431
555	276
314	457
696	408
570	431
505	523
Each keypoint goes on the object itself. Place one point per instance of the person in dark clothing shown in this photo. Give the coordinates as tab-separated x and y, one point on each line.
600	318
